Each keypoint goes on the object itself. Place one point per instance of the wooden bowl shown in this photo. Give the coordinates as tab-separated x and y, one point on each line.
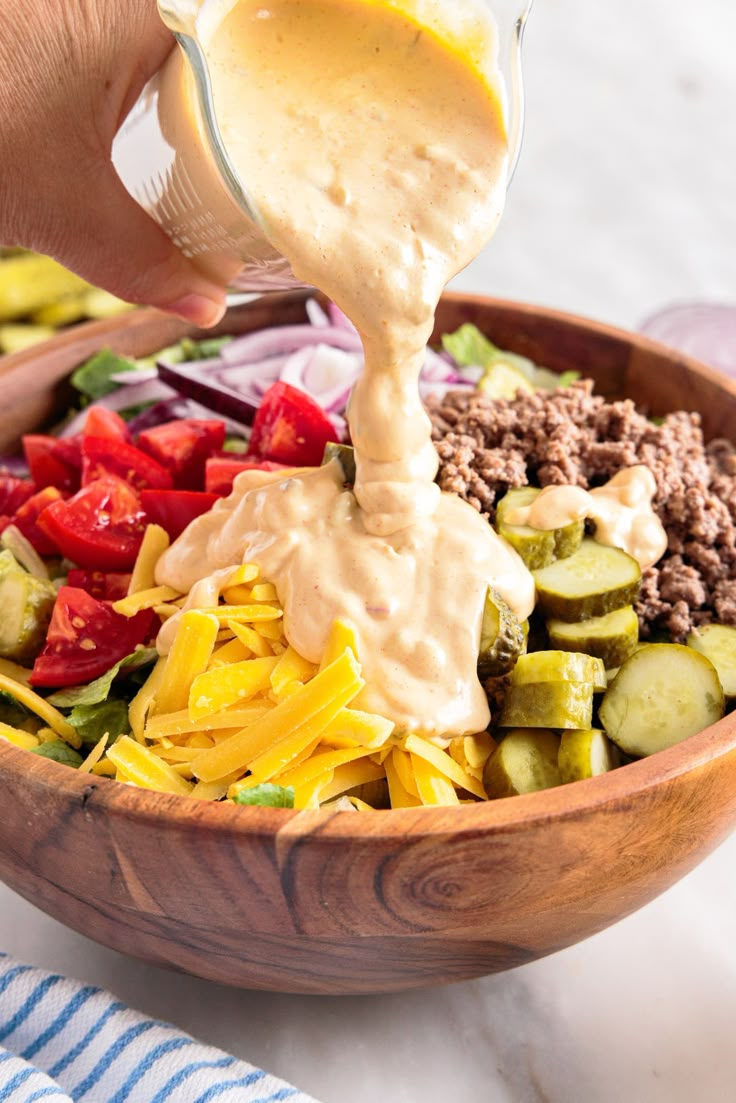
347	903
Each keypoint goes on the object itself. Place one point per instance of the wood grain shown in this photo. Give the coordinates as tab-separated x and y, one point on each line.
347	903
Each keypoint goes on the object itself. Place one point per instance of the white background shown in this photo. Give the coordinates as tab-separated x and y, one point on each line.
624	200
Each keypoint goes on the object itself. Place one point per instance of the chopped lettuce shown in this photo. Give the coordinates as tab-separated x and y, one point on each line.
94	693
59	752
267	796
106	718
202	350
471	348
568	377
235	444
93	379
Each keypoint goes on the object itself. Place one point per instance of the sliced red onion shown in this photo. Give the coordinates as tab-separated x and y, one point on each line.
340	320
706	331
179	407
257	376
316	314
137	375
140	394
15	466
283	340
326	374
188	379
341	426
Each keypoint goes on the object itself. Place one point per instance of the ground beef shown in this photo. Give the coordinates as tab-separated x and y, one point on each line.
570	435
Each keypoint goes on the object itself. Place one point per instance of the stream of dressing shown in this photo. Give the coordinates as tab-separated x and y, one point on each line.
376	155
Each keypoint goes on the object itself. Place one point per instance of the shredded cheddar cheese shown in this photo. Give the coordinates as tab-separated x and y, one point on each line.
155	542
234	706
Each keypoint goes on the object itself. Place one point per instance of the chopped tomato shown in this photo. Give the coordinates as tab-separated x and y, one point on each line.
102	422
27	517
106	456
221	470
103	585
13	493
100	528
174	509
183	446
85	638
53	461
290	427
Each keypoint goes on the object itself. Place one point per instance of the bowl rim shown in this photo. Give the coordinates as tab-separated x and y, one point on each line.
508	815
572	801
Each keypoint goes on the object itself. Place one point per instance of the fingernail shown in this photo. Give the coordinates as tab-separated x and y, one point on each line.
200	310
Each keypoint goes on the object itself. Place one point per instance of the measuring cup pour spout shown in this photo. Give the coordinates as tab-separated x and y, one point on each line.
171	156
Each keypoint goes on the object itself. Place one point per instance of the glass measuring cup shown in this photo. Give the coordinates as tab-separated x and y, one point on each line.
171	156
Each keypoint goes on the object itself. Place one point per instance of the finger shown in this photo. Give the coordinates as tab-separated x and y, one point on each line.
114	244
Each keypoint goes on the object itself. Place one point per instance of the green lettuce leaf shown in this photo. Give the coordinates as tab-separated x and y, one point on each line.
59	751
202	350
469	347
267	796
568	377
107	718
93	693
93	379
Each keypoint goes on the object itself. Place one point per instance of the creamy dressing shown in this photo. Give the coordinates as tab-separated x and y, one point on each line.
621	511
416	616
374	148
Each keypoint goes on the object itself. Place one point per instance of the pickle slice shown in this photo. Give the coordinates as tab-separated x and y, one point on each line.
535	546
524	762
502	638
345	453
612	638
718	643
559	666
26	603
568	539
663	694
548	705
586	753
591	583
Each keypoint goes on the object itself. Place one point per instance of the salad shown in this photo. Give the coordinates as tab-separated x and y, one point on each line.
232	711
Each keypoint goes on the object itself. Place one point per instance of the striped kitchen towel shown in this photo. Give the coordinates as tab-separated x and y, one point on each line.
63	1041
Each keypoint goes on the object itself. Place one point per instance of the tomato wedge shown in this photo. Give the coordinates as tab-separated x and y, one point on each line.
290	427
103	585
221	470
108	456
26	519
13	493
174	509
101	422
183	447
53	461
100	528
85	638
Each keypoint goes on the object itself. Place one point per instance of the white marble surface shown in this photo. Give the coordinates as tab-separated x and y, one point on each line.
623	200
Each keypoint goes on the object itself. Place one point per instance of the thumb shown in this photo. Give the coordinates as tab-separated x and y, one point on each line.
114	244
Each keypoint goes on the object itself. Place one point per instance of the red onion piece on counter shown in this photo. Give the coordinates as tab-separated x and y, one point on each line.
706	331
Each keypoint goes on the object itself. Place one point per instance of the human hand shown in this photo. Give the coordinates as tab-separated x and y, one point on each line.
69	74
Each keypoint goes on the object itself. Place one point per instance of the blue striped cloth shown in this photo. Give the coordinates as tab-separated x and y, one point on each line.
63	1041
